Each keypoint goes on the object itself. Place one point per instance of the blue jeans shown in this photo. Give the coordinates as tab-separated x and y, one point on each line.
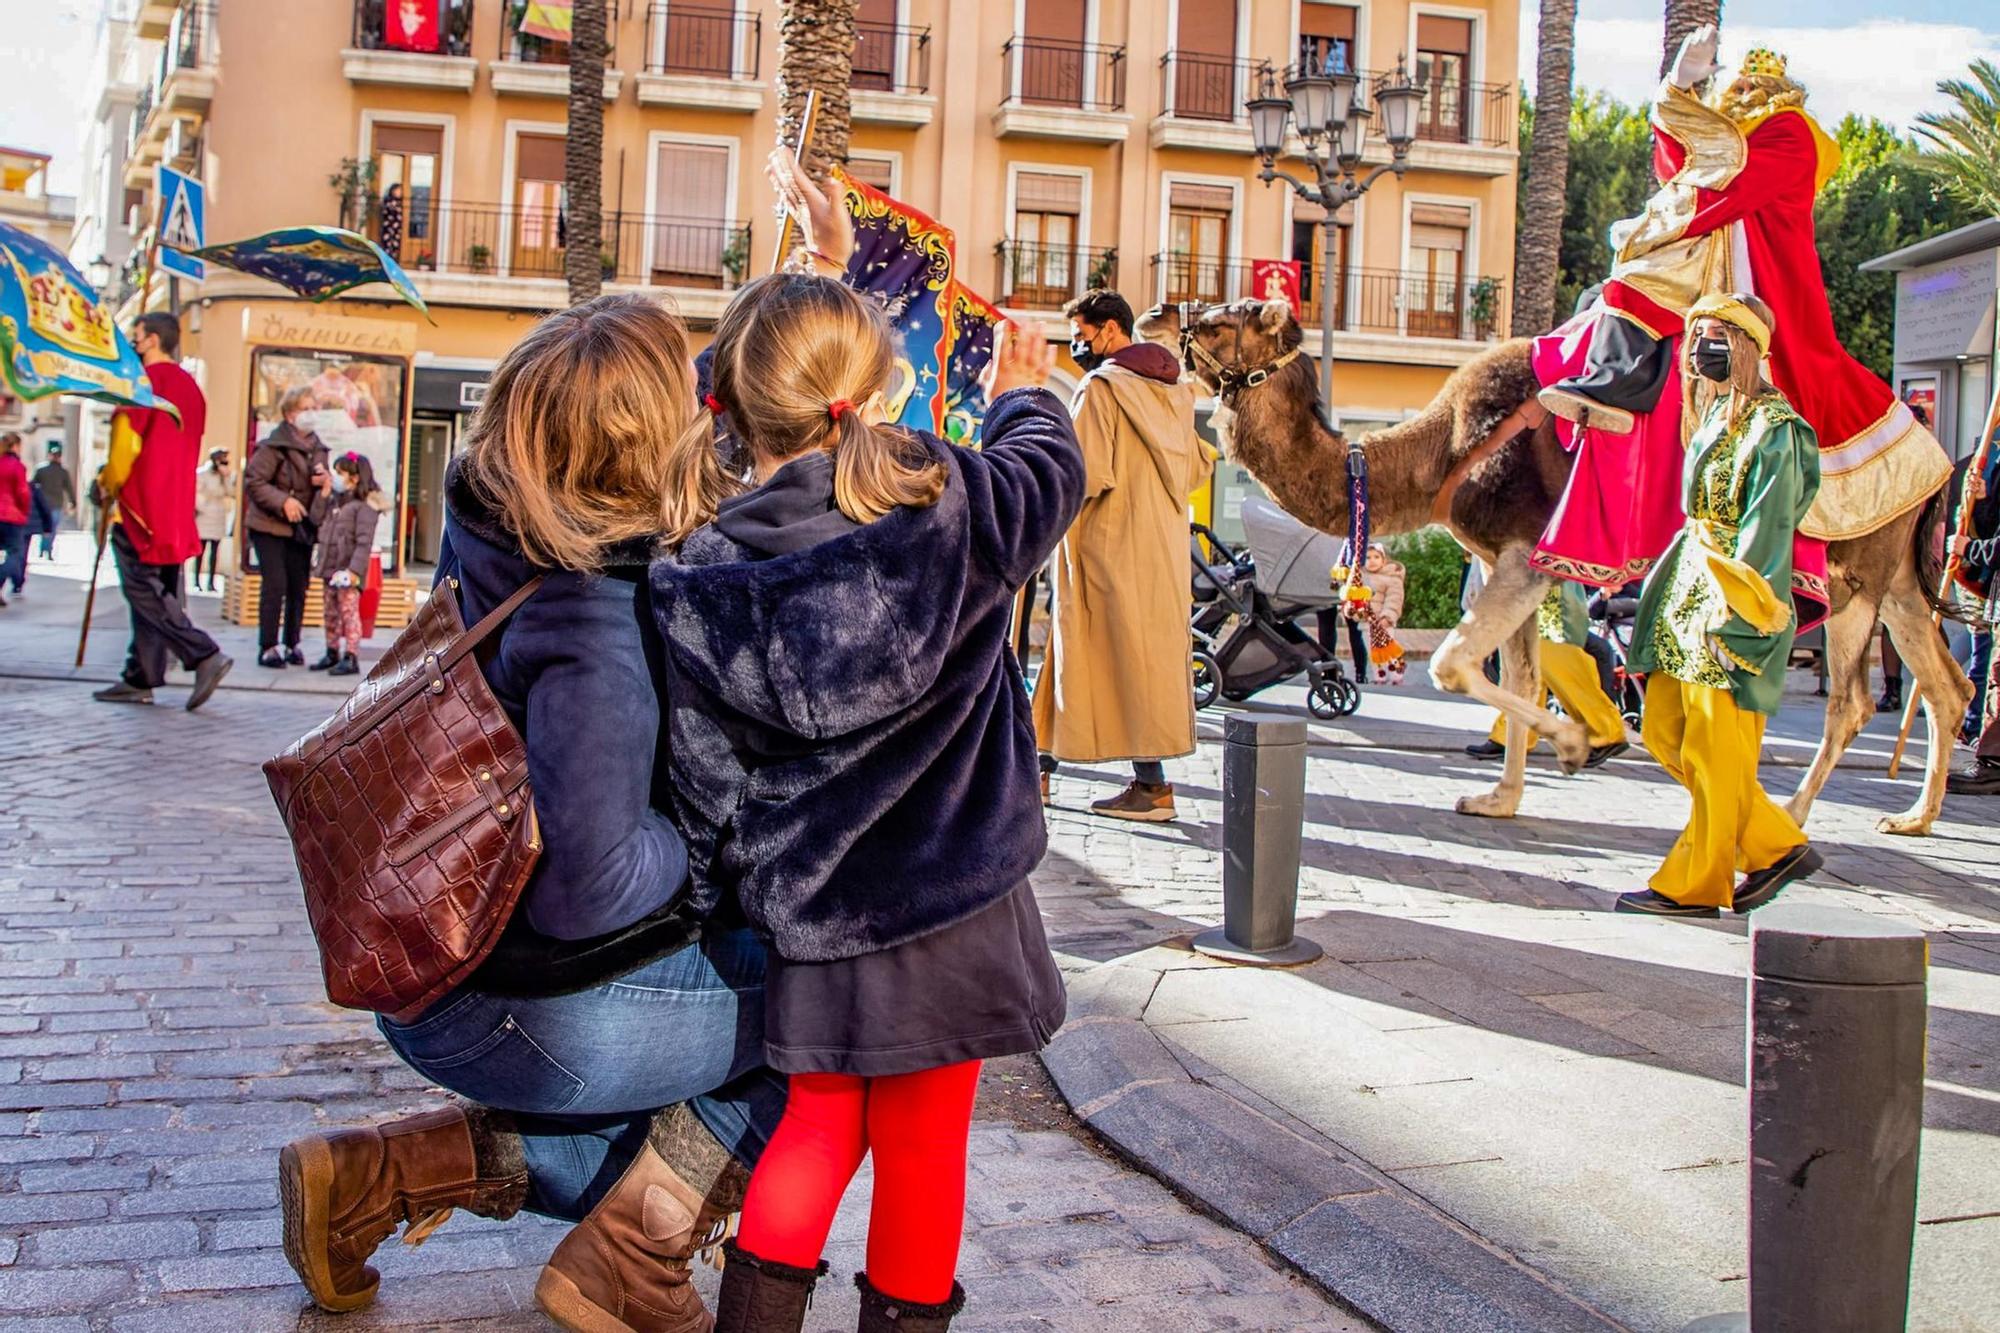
584	1073
14	554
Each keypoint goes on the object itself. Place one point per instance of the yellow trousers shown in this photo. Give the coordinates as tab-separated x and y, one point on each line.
1571	675
1710	746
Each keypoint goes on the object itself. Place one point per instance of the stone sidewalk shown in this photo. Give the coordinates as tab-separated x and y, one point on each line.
163	1031
1492	1096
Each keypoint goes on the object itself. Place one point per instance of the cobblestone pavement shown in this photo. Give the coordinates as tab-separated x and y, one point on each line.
163	1030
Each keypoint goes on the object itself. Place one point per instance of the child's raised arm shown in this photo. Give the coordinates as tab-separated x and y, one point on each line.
1027	479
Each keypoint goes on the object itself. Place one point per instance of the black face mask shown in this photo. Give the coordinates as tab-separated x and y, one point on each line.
1711	359
1080	351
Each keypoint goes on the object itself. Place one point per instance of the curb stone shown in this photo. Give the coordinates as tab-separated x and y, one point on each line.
1373	1245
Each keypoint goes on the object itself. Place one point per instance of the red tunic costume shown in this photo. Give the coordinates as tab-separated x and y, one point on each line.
1734	212
156	502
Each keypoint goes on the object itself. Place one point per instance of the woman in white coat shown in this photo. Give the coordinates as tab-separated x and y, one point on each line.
214	508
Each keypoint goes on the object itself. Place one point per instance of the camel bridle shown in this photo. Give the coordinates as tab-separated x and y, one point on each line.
1229	379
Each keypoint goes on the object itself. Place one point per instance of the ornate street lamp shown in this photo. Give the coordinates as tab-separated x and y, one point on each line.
1329	104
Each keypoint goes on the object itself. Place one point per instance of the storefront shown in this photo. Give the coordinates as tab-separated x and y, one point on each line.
1945	315
448	392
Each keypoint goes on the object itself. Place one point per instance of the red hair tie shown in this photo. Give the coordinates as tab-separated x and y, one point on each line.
713	403
838	408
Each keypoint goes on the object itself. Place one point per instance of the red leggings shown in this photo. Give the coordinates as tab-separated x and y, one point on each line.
916	1125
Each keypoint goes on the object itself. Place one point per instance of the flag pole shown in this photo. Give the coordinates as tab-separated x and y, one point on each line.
1951	564
787	221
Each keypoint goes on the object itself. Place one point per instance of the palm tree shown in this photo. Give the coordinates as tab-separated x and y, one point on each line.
1967	138
583	154
816	51
1538	240
1683	17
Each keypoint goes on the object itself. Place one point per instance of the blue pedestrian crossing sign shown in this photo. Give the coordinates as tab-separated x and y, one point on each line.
183	224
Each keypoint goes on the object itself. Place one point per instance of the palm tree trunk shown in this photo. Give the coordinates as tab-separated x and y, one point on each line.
1538	242
1683	17
816	51
583	154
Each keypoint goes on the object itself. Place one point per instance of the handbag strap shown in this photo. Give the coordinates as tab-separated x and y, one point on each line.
493	619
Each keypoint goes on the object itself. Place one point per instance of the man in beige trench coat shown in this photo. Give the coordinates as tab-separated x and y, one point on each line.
1117	684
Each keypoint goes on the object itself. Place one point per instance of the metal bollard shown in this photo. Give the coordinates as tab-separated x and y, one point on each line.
1263	823
1837	1010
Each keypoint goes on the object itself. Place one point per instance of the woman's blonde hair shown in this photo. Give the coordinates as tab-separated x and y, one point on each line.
794	359
571	445
1746	382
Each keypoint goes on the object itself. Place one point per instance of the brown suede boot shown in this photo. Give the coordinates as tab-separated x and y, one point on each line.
344	1193
886	1314
627	1268
761	1296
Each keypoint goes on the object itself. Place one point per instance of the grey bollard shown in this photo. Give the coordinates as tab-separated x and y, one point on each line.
1837	1010
1263	824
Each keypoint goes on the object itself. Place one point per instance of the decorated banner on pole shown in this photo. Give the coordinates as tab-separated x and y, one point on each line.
316	262
182	223
56	336
1276	280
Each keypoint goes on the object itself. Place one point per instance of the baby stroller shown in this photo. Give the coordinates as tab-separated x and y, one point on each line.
1246	605
1617	611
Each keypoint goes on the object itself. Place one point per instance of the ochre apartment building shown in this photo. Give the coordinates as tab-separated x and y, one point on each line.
1066	142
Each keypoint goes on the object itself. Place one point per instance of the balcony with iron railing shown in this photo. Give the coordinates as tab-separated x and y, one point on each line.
891	83
1376	302
183	75
1062	90
703	58
1033	276
533	65
386	53
1201	102
507	241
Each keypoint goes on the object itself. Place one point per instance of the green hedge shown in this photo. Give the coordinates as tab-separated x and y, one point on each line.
1435	566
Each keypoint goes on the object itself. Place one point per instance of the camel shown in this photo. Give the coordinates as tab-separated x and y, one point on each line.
1485	463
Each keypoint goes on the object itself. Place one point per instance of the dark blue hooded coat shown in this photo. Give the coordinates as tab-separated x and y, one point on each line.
851	751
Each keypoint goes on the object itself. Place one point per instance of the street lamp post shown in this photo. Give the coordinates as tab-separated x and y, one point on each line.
1328	104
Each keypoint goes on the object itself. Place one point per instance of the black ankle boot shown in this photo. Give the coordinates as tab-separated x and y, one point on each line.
885	1314
332	659
759	1296
346	666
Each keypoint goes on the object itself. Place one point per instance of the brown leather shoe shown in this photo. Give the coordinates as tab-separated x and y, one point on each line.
344	1193
627	1268
1147	802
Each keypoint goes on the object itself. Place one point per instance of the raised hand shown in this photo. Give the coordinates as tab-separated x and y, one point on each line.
822	217
1696	60
1020	361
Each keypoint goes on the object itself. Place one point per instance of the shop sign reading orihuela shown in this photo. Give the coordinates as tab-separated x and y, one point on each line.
306	327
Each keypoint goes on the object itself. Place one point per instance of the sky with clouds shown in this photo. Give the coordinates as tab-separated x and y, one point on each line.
1851	55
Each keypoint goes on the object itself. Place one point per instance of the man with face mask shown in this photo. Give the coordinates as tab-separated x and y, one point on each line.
1717	619
1115	684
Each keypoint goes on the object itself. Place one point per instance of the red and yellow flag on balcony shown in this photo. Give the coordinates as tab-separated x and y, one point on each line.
548	19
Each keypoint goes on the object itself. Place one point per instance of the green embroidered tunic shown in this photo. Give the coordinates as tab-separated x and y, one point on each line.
1750	487
1564	615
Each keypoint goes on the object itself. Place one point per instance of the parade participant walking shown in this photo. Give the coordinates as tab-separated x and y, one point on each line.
282	479
149	483
852	764
58	491
1115	684
1569	673
346	514
16	506
214	507
1716	621
1979	560
595	1010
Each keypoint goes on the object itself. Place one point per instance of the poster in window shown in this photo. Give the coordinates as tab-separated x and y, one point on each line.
1276	280
358	408
413	25
1921	395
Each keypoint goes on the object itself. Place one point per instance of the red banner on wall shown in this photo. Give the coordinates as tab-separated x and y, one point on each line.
413	25
1276	280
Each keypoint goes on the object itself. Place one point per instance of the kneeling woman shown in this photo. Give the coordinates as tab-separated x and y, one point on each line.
596	1010
1715	622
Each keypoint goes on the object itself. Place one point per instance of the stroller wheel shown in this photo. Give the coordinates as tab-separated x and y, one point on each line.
1207	679
1332	696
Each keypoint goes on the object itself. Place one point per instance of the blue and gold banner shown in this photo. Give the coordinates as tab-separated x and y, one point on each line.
315	262
55	335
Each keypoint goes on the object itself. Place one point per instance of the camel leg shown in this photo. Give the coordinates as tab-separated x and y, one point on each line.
1849	632
1521	676
1944	688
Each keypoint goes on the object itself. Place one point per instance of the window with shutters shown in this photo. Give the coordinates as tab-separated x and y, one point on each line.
1198	241
689	228
1308	241
1434	295
1326	37
1203	78
1043	255
874	45
1444	62
879	172
1051	55
408	172
537	207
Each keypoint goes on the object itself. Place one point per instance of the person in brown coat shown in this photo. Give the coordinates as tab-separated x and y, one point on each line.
1116	683
281	481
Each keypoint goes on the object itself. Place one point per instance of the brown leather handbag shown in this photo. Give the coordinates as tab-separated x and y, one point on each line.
412	817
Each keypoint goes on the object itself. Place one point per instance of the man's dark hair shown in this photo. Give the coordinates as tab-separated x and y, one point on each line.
166	328
1100	306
